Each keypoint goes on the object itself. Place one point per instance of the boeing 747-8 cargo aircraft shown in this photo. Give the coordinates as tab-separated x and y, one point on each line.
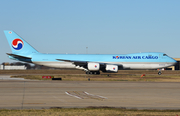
90	63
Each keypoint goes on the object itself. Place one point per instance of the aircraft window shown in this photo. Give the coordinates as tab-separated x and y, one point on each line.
164	54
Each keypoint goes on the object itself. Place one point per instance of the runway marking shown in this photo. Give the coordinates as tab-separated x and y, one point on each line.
84	95
68	93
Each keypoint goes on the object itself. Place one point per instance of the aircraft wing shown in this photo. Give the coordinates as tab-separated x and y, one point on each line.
82	63
77	63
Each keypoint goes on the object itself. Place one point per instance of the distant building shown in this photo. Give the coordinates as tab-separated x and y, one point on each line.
177	66
23	67
1	67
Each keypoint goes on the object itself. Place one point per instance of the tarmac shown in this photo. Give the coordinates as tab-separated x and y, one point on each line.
29	94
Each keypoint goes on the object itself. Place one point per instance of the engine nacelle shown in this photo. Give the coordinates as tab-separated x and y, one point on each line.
111	68
93	66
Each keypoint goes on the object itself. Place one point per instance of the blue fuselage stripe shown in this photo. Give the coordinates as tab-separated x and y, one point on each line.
139	57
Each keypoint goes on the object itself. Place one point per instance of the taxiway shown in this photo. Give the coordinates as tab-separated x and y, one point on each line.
28	94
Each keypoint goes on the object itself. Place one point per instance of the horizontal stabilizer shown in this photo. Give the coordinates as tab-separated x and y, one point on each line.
18	56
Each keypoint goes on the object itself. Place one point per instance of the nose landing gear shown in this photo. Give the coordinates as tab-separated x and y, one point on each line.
159	73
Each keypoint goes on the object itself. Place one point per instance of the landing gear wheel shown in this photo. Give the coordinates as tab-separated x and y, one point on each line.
98	73
159	73
87	72
90	73
93	72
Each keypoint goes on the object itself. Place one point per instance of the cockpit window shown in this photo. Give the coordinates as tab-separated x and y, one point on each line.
164	54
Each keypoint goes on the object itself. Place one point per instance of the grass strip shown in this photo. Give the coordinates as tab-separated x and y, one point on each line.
89	112
127	77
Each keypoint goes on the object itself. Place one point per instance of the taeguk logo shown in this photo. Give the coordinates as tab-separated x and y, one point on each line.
17	44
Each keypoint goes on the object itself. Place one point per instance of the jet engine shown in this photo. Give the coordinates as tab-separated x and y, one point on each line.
111	68
93	66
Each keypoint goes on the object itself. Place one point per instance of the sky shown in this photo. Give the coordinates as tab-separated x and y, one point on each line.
104	26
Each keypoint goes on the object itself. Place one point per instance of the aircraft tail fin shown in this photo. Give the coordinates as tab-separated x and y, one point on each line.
18	45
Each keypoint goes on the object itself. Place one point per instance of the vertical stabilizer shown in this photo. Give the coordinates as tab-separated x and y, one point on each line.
18	45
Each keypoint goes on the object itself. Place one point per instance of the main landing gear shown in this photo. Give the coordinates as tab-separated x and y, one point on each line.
93	72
